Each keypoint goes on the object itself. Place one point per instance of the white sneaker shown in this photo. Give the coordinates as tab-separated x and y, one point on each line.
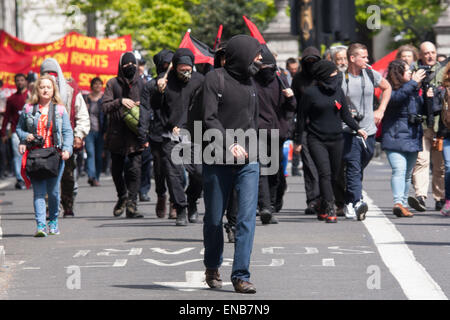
350	211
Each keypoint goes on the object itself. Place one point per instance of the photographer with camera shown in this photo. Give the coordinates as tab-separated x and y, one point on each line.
430	142
358	85
46	140
402	129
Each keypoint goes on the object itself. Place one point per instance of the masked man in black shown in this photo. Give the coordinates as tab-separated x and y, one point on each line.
175	95
123	93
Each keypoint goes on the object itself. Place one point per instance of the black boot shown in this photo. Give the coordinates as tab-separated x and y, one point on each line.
181	217
265	215
132	211
192	212
119	208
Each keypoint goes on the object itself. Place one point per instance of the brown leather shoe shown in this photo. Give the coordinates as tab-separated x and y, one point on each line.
161	207
212	278
401	211
172	212
242	286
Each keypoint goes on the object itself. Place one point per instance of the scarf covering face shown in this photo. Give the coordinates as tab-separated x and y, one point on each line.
51	65
322	71
130	70
240	53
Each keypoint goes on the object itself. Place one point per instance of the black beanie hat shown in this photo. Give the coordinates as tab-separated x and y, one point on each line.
322	69
128	57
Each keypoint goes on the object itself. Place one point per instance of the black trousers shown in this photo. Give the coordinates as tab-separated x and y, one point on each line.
310	173
126	174
158	169
174	174
327	156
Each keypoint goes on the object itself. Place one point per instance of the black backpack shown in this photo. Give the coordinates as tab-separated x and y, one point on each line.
195	110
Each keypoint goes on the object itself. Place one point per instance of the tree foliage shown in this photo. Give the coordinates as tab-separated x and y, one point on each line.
208	15
411	20
152	24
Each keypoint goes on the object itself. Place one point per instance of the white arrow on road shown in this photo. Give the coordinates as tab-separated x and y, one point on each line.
165	251
195	280
174	264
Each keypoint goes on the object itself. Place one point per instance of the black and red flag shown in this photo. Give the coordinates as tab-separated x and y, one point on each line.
202	53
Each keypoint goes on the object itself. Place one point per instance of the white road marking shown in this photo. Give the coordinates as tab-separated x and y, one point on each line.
273	263
349	251
32	268
173	264
270	250
328	262
195	280
4	184
2	256
166	251
82	253
413	278
131	252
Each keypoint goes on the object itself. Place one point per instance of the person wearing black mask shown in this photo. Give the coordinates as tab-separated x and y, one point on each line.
324	107
162	61
123	93
173	98
277	105
230	102
302	80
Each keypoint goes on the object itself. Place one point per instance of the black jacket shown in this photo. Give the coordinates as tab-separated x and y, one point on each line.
119	138
275	110
238	107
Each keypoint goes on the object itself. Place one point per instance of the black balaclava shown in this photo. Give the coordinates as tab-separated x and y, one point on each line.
183	56
220	52
267	73
309	52
240	53
162	57
322	71
130	70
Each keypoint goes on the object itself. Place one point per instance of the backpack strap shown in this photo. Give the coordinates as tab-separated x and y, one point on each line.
220	90
371	76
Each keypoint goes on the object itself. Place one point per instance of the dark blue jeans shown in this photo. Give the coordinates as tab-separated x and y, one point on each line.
146	171
356	157
218	181
94	150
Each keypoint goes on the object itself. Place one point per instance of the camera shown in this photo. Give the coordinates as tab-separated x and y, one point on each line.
415	118
38	141
356	115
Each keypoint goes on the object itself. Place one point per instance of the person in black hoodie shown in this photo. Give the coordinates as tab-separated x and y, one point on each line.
230	102
302	80
162	61
324	107
121	94
173	99
277	105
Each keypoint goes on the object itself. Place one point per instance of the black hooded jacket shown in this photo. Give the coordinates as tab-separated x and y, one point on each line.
238	107
155	130
120	139
302	80
173	104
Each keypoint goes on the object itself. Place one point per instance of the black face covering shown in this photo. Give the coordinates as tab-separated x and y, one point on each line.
129	71
265	75
240	53
254	68
331	83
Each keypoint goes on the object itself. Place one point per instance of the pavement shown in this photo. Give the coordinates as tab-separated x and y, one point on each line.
100	257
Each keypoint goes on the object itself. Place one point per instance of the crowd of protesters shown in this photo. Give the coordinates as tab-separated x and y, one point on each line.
326	104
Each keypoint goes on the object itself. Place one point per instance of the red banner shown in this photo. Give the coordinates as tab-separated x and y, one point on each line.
81	58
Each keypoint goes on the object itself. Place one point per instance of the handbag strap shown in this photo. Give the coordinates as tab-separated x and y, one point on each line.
50	119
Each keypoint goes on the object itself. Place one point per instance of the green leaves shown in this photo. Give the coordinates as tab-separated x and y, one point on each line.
411	20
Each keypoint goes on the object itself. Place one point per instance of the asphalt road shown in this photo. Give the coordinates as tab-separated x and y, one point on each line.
97	256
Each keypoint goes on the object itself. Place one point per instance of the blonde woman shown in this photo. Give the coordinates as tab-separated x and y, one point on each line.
44	123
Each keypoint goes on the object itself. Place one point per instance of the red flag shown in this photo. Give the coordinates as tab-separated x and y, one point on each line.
254	32
202	53
218	37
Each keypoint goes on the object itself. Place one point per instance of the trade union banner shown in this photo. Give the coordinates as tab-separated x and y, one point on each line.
81	58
